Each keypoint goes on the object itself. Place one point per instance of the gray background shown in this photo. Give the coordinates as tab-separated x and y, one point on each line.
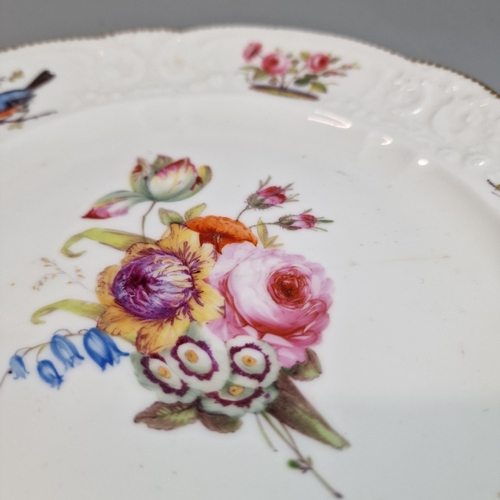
461	34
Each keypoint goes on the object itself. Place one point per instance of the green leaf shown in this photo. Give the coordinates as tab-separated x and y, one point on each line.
79	307
163	416
293	464
305	56
219	422
264	238
259	74
271	240
265	183
262	232
110	237
318	87
305	80
292	409
308	369
271	243
168	217
196	211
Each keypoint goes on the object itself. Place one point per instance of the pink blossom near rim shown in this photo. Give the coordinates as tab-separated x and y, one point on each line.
318	62
273	296
251	51
276	64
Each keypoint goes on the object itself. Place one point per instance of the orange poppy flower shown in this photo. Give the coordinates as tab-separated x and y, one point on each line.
221	231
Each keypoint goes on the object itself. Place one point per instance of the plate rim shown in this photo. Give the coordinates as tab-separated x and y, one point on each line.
278	29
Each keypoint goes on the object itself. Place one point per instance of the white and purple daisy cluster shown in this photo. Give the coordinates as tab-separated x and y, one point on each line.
230	378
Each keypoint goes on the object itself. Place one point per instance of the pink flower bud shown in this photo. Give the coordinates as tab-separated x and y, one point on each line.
268	197
317	63
272	195
252	50
301	221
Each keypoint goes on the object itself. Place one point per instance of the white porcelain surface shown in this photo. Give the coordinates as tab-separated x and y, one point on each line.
397	153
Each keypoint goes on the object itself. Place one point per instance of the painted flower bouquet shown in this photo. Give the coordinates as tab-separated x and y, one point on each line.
220	319
302	77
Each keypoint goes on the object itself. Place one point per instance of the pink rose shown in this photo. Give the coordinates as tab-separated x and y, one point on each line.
252	50
276	64
279	298
318	62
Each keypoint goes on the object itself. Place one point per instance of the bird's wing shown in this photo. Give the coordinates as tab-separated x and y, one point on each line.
14	98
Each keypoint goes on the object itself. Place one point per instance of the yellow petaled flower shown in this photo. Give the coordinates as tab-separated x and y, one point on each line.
158	290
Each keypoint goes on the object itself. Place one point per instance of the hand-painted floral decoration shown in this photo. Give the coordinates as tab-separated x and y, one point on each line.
219	320
286	74
14	103
162	180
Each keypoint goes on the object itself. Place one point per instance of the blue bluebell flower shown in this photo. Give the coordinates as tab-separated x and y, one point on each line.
49	374
17	367
65	351
102	348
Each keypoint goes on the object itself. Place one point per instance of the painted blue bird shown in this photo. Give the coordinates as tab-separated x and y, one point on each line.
14	101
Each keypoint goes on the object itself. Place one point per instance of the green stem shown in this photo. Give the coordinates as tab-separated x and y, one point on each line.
265	224
40	351
29	349
296	76
4	377
144	220
289	435
290	442
242	212
264	433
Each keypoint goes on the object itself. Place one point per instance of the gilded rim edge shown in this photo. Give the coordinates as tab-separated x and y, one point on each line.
112	34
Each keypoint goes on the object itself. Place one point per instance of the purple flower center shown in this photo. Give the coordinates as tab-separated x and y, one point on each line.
156	286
